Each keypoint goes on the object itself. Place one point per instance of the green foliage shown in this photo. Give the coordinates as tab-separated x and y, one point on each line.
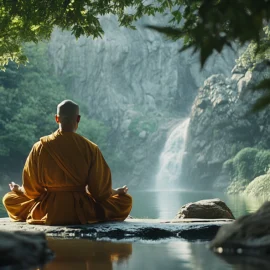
237	186
259	187
28	99
34	20
228	165
243	163
210	25
94	130
204	25
256	53
245	166
262	162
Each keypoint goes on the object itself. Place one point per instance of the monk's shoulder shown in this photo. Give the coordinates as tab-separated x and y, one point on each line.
86	141
37	147
43	140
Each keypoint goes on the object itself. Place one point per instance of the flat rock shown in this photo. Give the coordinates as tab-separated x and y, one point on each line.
205	209
130	229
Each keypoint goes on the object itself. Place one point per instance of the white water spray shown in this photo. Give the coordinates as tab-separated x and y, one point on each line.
171	158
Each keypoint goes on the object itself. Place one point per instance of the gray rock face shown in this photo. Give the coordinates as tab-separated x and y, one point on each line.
136	82
221	124
208	209
249	234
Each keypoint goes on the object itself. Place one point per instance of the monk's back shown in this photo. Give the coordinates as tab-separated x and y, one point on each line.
64	159
66	180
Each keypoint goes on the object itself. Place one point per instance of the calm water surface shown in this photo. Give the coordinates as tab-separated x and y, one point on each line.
82	254
165	204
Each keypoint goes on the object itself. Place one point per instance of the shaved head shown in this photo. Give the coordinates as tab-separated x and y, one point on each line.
67	111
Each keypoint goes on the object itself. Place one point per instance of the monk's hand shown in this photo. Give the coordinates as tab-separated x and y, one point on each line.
14	187
120	191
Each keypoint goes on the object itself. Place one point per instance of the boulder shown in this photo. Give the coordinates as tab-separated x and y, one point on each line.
23	250
208	209
248	235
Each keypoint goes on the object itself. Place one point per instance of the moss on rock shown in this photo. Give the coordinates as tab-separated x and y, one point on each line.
260	186
247	164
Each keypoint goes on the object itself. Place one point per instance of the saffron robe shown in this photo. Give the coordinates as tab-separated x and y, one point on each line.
66	181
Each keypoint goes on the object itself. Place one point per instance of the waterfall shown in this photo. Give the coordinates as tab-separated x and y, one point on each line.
171	158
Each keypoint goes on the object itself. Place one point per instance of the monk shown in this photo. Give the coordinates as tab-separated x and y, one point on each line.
66	180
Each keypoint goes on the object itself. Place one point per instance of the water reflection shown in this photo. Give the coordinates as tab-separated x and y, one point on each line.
81	254
85	255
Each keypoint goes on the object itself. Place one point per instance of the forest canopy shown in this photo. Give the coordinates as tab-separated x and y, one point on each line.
34	20
204	25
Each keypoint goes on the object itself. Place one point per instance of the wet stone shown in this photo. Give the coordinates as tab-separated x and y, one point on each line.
130	230
205	209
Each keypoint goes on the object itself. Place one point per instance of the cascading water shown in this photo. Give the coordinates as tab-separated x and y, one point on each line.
168	177
171	158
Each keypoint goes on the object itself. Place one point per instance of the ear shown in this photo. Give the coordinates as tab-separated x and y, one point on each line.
78	118
57	119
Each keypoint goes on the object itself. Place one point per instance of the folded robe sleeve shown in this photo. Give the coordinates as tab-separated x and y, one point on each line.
99	178
31	187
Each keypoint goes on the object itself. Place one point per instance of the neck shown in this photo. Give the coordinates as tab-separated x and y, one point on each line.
68	128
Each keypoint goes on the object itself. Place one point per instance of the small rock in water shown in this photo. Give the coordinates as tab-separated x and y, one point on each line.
205	209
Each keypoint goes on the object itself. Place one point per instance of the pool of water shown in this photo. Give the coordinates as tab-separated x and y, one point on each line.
81	254
165	204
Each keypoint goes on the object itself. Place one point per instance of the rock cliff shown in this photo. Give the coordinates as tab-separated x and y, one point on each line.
222	124
137	83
